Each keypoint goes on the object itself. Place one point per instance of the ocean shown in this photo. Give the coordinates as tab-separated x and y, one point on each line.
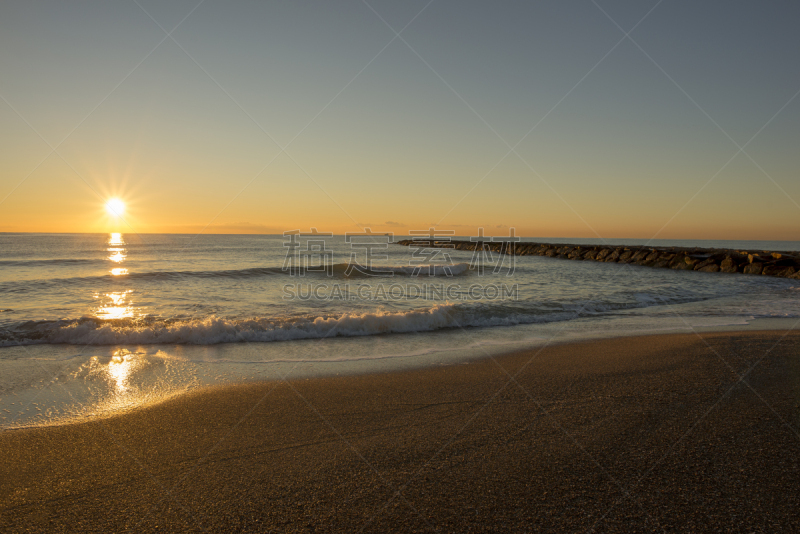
95	324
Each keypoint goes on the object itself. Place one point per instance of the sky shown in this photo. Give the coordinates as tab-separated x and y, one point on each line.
611	119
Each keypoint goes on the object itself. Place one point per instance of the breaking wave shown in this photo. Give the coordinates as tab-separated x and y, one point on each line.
214	329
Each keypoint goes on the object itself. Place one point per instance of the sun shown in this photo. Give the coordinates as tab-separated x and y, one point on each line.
115	207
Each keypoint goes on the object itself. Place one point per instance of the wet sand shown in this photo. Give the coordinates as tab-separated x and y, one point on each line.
632	434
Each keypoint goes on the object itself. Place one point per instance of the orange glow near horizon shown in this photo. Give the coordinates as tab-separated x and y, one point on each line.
134	211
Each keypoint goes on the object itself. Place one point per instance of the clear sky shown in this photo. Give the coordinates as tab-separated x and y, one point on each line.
261	117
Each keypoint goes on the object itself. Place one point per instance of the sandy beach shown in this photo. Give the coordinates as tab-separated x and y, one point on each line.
650	433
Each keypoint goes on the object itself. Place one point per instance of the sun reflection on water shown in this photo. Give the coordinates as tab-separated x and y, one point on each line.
119	308
115	239
117	253
118	256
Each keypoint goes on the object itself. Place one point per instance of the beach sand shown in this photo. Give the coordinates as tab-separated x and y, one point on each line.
630	434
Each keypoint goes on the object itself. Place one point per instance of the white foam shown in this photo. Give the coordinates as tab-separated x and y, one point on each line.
213	330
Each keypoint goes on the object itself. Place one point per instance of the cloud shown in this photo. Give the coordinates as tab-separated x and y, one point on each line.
393	223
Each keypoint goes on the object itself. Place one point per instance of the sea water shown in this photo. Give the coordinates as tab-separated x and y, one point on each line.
95	324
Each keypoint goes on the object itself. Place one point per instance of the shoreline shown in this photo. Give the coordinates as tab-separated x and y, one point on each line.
590	420
385	364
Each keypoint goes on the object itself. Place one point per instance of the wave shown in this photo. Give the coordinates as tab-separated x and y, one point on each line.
213	329
53	261
337	270
432	269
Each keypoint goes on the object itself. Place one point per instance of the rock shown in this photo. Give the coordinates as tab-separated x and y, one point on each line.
700	259
753	268
778	270
682	262
785	262
728	265
678	258
682	266
706	262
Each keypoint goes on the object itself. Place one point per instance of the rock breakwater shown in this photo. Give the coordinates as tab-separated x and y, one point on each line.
710	260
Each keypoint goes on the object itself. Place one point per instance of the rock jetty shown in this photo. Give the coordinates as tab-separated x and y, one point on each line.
709	260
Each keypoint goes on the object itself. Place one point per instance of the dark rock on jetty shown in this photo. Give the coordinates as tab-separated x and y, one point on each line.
708	260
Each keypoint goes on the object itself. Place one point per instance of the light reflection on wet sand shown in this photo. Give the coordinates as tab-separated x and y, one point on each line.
86	387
